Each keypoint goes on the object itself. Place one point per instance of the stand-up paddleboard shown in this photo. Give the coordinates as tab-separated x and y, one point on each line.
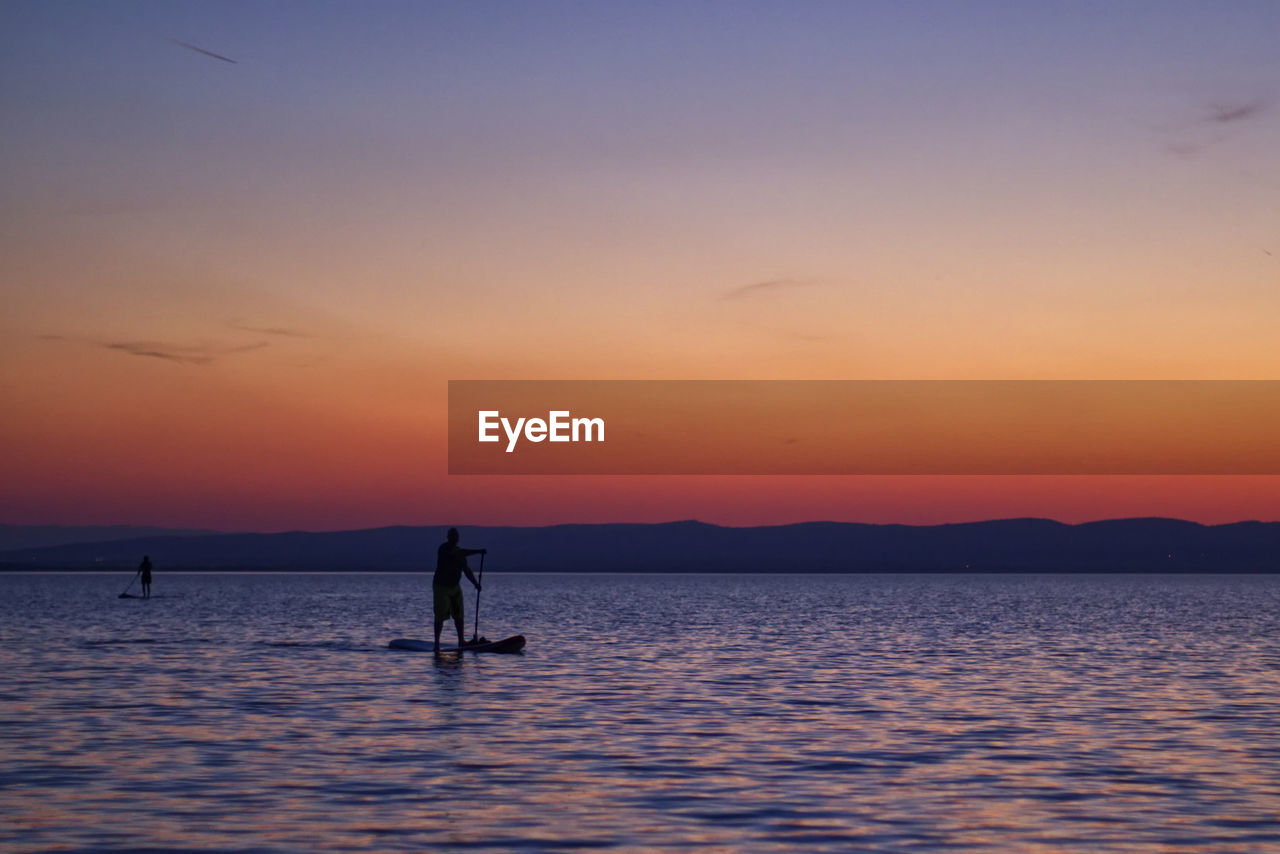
515	643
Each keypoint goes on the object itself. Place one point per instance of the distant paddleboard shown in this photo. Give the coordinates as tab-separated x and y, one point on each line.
515	643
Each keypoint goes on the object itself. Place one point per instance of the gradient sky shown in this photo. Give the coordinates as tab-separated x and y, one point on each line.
234	291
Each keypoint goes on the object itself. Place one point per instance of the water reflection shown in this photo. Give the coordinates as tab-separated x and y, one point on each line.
988	713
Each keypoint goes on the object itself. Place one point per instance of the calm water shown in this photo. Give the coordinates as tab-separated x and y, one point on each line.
758	713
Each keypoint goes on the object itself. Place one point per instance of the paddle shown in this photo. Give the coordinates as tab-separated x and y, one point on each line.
475	632
125	594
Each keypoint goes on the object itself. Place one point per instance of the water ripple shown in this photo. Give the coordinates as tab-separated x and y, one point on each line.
761	713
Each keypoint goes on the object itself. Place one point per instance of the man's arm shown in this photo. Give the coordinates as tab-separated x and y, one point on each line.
471	576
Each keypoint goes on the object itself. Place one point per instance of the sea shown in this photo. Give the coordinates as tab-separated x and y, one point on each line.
257	712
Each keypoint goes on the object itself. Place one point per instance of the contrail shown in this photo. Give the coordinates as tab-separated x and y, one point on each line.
205	52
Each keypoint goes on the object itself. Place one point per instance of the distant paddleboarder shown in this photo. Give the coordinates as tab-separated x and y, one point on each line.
144	575
446	586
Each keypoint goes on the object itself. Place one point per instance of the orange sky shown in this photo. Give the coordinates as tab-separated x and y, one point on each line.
234	293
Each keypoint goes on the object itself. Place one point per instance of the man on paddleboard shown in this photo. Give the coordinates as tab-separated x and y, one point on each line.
144	572
446	587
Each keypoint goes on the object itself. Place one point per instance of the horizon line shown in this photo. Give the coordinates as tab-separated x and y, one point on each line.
199	530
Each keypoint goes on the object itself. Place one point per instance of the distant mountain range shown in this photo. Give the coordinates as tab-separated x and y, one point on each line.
1009	545
38	536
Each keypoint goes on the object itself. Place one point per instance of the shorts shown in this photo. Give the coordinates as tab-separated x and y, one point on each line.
448	603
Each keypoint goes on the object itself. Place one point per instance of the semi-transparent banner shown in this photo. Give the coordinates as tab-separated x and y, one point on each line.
1005	427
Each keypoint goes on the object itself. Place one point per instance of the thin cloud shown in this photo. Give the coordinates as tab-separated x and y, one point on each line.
281	331
137	348
1223	114
199	354
757	288
1215	124
205	52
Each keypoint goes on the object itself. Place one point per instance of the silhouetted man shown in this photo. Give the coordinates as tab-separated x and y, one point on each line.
144	575
446	586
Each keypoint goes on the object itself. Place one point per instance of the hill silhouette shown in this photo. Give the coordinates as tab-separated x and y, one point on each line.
1008	545
38	536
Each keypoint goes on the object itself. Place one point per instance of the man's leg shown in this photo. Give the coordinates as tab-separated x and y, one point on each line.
459	616
439	626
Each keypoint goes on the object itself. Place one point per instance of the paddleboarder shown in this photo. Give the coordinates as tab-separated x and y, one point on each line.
144	575
446	585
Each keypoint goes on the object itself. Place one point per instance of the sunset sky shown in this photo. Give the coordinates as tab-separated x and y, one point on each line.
244	246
